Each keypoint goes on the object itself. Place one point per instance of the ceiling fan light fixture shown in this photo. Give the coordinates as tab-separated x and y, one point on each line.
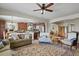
42	11
44	7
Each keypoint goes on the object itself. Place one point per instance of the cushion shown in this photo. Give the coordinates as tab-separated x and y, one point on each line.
10	39
14	36
66	42
44	34
21	36
1	45
72	40
4	42
71	36
26	37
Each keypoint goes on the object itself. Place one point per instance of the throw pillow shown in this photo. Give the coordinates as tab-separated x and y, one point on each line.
15	37
26	37
21	36
1	45
71	40
4	42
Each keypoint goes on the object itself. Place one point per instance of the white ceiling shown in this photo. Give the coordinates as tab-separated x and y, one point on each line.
60	9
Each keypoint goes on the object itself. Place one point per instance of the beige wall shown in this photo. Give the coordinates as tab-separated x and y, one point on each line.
75	23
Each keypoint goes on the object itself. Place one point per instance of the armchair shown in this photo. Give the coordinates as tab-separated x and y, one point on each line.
44	38
71	40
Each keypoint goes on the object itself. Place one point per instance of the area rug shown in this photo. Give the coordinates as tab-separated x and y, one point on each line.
41	50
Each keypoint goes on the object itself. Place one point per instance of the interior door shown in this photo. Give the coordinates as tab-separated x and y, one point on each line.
61	30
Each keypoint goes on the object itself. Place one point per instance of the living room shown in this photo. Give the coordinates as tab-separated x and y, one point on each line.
27	32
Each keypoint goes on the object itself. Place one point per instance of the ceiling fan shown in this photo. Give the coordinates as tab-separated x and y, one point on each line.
44	7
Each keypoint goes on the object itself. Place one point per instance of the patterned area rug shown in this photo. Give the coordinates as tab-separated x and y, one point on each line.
37	49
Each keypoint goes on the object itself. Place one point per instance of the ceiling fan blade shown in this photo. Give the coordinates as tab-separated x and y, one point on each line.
37	10
50	4
49	10
39	5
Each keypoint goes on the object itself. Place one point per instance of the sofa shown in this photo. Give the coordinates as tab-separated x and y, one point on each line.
20	42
